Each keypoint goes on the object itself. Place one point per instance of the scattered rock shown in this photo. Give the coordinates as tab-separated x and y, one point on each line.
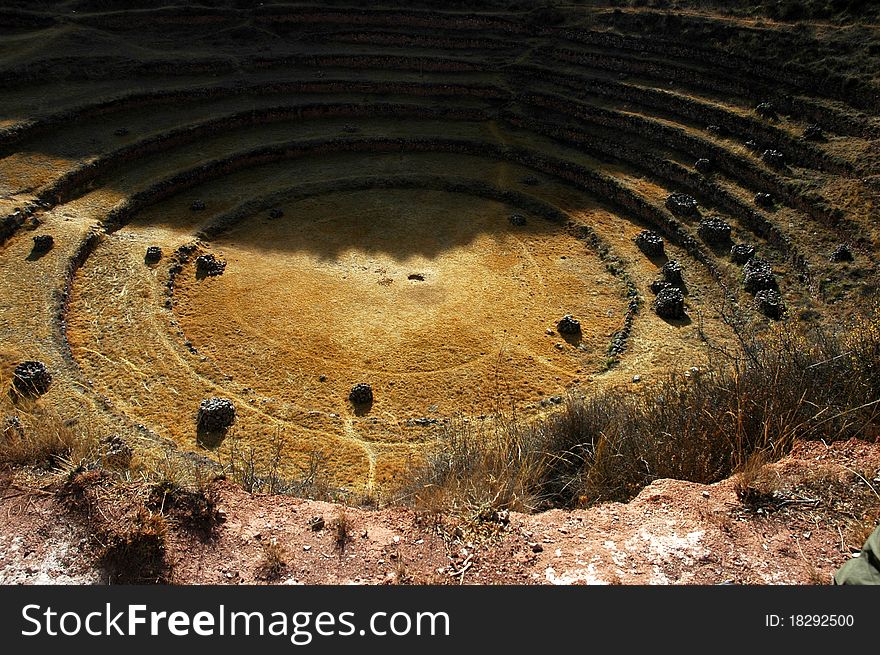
753	145
764	200
568	325
714	230
209	265
740	253
275	213
681	204
717	130
814	133
216	414
766	110
672	273
758	276
650	243
31	378
703	166
316	523
669	304
517	219
361	394
773	158
769	303
43	243
636	379
422	422
153	255
842	253
116	453
197	205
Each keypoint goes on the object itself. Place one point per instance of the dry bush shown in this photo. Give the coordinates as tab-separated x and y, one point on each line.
342	530
273	561
702	427
41	438
133	552
195	510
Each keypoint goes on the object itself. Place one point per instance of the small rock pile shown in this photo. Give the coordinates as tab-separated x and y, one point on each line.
714	230
650	243
681	204
669	303
361	394
758	276
215	414
740	253
153	255
31	378
568	325
209	265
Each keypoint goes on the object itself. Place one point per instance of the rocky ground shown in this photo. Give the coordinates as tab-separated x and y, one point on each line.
807	514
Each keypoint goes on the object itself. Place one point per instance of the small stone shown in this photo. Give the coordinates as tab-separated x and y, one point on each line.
153	255
43	243
714	230
536	547
650	243
121	131
703	166
741	253
669	304
814	133
769	303
361	394
773	158
209	265
842	253
682	204
568	325
31	378
764	200
322	378
766	110
531	180
517	219
216	414
672	273
197	205
316	523
275	213
307	548
753	145
636	379
717	130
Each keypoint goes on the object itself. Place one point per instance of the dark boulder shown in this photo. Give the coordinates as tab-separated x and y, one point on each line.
31	378
741	253
681	204
216	414
153	255
766	110
769	303
773	158
659	285
814	133
43	243
842	253
758	276
672	273
714	230
650	243
361	394
568	325
764	200
669	304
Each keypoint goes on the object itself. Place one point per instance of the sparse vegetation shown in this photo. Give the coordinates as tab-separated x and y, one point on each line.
273	561
701	427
